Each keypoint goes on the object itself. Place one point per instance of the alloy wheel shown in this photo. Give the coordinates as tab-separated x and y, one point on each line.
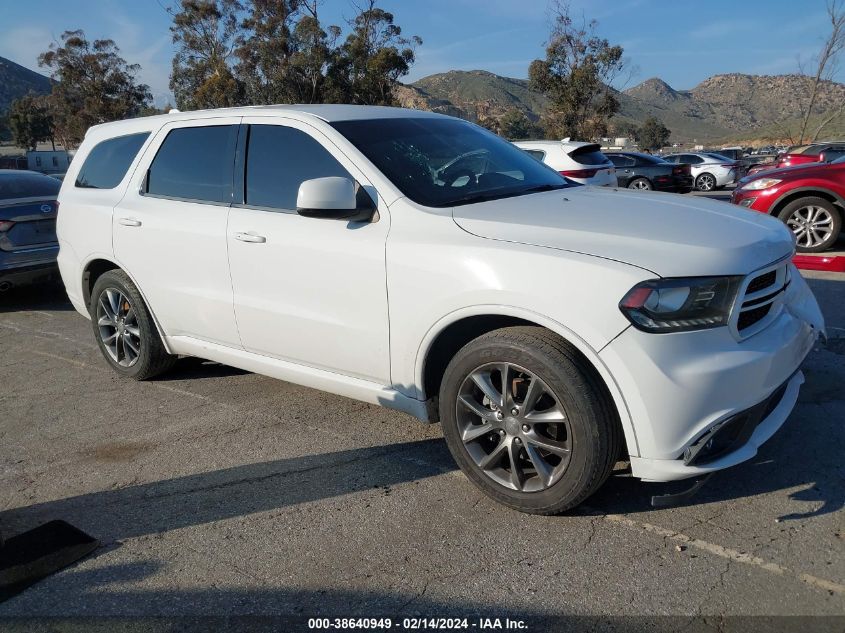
640	184
117	323
706	183
812	225
513	427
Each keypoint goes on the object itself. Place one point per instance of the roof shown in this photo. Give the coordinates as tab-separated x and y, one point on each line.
18	172
326	112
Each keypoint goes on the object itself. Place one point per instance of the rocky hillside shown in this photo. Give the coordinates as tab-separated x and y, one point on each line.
722	106
16	81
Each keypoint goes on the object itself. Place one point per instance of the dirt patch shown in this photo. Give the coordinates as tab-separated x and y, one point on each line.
118	451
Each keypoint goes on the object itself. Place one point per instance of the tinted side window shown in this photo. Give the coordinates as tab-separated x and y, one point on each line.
692	159
107	163
278	160
537	154
621	161
195	163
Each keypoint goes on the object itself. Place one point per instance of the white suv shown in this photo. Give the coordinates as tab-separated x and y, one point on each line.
582	162
419	262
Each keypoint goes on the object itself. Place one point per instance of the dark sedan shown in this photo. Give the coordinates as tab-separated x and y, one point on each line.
644	171
28	243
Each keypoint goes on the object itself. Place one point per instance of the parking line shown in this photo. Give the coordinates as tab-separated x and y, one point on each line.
725	552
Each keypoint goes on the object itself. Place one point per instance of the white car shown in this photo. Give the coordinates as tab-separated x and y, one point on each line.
550	328
709	171
582	162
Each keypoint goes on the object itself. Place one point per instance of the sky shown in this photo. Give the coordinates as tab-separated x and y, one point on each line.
681	41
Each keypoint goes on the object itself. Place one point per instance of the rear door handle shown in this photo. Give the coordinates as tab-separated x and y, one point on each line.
251	238
129	222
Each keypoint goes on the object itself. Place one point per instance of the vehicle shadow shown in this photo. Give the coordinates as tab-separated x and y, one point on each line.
48	295
104	599
191	368
201	498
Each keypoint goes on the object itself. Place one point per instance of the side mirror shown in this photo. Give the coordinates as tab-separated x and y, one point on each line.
334	198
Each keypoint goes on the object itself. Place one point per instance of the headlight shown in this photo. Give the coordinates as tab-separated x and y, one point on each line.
680	305
760	183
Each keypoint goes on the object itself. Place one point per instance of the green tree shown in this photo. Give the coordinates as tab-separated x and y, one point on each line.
653	134
515	125
626	128
284	53
576	76
206	33
92	84
29	121
371	60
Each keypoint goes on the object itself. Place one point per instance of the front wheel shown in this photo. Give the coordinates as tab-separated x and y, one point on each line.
527	420
124	329
815	222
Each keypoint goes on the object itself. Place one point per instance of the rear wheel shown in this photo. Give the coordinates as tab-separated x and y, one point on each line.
816	223
527	421
640	183
705	182
124	328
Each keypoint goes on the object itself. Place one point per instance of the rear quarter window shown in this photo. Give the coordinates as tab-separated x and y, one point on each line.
536	154
106	164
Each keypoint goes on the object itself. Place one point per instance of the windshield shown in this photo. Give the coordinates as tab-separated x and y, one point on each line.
838	161
448	162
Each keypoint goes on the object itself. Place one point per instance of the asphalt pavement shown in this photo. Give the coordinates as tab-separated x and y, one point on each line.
219	492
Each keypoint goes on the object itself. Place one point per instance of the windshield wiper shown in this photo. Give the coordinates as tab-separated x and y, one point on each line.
497	195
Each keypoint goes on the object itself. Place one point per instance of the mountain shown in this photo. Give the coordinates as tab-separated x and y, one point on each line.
721	107
16	81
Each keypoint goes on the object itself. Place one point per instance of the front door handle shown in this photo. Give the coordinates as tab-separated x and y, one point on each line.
129	222
251	238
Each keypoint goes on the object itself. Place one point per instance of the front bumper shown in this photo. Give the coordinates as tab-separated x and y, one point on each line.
680	386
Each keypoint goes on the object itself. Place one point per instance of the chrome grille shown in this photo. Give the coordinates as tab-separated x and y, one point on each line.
761	299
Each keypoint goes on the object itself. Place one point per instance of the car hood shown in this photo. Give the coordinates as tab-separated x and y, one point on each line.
668	234
794	171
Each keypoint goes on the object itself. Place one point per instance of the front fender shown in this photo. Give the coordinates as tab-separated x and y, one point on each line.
558	328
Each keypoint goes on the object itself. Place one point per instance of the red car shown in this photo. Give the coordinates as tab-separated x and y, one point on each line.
802	155
809	198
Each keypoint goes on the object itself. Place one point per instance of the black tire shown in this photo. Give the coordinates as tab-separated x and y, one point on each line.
706	182
152	359
596	435
643	184
798	207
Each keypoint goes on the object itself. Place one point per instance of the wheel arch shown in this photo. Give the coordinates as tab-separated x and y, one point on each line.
457	329
808	192
96	268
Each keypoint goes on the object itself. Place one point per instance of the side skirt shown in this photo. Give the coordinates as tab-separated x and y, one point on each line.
355	388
